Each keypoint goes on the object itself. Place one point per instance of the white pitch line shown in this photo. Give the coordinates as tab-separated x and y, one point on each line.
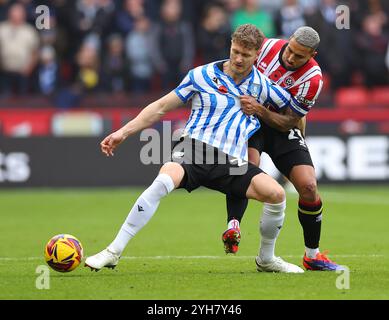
5	259
248	257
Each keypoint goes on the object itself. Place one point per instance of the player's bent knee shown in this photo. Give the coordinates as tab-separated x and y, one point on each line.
308	191
175	171
277	195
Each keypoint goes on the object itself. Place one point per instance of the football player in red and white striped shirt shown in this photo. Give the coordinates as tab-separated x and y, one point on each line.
281	62
290	64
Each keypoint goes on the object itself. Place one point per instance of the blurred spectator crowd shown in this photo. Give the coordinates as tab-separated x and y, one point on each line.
140	46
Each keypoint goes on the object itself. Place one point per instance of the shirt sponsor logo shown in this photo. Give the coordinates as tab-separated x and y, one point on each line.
305	101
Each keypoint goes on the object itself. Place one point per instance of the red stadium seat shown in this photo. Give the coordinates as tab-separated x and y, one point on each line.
352	98
379	97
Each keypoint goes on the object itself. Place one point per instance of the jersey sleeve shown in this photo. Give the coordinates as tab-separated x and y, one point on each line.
273	94
305	95
186	89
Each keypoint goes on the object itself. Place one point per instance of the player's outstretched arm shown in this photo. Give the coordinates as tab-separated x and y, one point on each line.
146	118
282	121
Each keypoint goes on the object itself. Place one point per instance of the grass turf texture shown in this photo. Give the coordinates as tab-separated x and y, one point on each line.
179	254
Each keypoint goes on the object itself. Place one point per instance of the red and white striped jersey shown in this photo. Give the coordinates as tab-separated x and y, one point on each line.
304	84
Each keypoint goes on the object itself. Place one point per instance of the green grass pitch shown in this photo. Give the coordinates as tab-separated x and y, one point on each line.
179	254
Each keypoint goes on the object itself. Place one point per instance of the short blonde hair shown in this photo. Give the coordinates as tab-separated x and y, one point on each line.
249	36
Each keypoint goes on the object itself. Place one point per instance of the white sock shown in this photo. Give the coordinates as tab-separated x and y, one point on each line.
270	225
311	253
233	224
142	211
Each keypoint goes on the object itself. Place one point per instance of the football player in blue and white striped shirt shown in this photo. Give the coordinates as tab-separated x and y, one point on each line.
216	118
218	124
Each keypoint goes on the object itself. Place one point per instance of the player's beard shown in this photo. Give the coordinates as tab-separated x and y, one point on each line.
291	68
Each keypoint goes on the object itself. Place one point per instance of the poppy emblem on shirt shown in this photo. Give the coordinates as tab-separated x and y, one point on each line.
223	89
275	76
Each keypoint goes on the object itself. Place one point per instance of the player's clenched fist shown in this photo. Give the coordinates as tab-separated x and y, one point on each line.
249	105
109	144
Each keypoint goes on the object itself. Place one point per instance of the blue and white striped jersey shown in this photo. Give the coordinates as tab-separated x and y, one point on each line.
216	118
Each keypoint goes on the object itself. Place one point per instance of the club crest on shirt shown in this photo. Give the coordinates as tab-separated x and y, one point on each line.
255	89
289	81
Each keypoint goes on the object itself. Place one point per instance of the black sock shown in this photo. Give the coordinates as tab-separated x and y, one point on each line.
310	220
236	207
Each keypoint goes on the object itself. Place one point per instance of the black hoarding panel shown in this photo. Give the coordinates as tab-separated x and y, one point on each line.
71	162
78	162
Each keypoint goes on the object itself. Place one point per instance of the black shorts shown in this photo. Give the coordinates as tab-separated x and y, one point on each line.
206	166
286	149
